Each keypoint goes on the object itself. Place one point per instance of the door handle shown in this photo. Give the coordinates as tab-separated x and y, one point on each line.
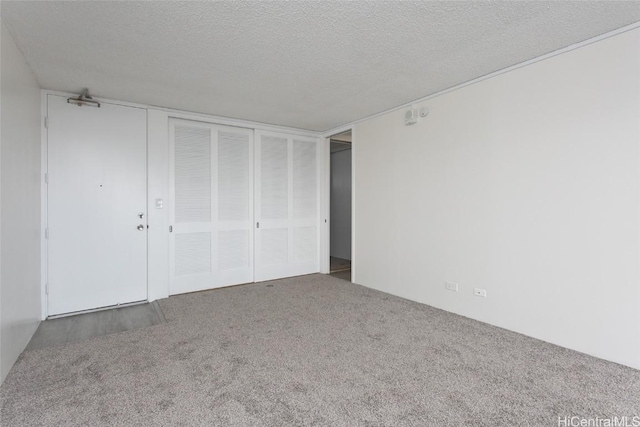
140	227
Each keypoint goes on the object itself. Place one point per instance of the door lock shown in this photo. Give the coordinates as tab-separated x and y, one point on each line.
140	215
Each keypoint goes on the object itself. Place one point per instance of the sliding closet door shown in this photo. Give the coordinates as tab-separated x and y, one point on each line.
287	206
211	209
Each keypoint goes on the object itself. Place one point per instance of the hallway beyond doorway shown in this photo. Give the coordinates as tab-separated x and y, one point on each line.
340	268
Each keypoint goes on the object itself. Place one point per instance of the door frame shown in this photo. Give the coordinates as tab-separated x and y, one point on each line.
44	199
325	266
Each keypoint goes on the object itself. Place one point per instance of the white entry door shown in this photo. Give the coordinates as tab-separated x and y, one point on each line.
287	206
97	226
211	209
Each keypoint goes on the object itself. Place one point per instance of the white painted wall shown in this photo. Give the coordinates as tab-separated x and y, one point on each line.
527	185
341	204
158	188
20	204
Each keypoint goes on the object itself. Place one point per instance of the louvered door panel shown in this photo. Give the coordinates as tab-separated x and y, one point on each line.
305	242
191	243
193	254
274	178
235	206
305	202
234	176
305	193
192	174
275	246
234	249
211	206
286	206
304	221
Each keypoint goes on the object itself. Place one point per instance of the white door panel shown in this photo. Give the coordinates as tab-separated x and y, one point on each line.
97	188
287	206
211	189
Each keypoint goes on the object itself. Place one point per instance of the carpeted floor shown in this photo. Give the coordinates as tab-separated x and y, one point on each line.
314	350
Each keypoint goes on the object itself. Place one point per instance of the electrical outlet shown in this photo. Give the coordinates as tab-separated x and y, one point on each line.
480	292
451	286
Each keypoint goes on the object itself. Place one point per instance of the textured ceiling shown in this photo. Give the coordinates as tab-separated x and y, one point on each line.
310	65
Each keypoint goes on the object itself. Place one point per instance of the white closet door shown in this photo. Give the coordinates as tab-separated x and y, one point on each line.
211	180
235	206
287	206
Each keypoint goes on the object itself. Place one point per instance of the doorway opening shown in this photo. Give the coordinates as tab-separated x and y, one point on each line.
340	206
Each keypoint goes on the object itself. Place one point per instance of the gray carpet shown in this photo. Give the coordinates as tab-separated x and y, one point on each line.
314	350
